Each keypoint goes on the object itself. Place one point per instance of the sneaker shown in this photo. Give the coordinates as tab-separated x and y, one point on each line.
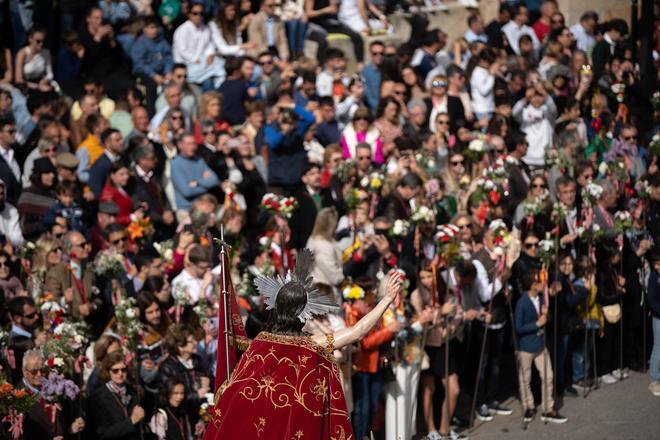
433	435
620	374
483	414
608	379
554	417
499	409
529	415
453	435
570	391
654	388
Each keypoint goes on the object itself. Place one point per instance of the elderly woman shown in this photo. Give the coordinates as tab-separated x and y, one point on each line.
362	130
45	148
113	408
327	264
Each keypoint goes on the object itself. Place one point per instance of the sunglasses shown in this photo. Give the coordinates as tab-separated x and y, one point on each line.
10	130
457	162
196	13
442	122
377	54
118	240
118	370
364	158
176	118
361	118
35	371
81	244
587	176
538	185
49	150
531	245
400	92
38	41
30	316
439	84
629	138
180	76
266	63
4	263
207	132
465	226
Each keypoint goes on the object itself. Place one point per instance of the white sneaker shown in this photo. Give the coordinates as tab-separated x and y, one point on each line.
608	379
654	388
620	374
433	435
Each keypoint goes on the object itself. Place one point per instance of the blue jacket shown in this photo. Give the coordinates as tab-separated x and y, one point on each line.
72	214
525	320
185	170
287	155
98	174
372	81
151	57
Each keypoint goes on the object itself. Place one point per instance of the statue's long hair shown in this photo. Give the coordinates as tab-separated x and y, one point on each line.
283	319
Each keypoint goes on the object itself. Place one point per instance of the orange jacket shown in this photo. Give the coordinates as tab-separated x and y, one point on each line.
366	358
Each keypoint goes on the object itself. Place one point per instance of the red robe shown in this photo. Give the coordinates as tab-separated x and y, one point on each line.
284	387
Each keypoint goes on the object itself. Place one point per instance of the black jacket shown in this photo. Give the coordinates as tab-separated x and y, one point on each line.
172	367
13	186
108	418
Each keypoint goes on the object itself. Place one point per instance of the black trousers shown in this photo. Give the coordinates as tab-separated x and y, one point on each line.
332	25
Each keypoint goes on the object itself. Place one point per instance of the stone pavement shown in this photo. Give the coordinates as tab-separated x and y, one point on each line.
621	411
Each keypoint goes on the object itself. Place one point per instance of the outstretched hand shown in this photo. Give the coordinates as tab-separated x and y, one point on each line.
393	286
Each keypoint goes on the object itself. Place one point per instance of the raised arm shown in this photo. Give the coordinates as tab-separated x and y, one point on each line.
349	335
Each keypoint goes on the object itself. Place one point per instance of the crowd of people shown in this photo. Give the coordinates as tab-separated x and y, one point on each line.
510	176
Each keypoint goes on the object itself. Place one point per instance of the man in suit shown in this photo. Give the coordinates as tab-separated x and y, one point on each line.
396	205
113	146
310	201
38	423
531	317
266	31
10	172
75	281
566	190
519	173
146	189
24	319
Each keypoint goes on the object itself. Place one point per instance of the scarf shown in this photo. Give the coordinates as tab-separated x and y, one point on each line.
120	391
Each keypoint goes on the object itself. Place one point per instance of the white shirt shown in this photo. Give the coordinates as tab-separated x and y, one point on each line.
537	124
513	34
192	44
186	284
8	155
221	46
537	304
584	40
482	84
10	225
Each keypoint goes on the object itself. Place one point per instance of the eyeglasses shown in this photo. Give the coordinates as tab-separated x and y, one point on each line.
531	245
118	240
455	163
439	83
118	370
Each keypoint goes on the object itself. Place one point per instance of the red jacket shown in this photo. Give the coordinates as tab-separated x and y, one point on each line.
121	199
366	358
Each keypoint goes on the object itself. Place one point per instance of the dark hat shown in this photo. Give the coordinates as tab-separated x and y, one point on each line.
43	165
110	208
67	160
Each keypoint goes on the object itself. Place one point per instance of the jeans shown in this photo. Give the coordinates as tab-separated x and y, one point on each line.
654	371
367	388
295	33
490	367
581	364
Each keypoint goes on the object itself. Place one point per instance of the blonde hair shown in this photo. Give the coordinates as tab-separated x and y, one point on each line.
206	99
325	224
45	245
